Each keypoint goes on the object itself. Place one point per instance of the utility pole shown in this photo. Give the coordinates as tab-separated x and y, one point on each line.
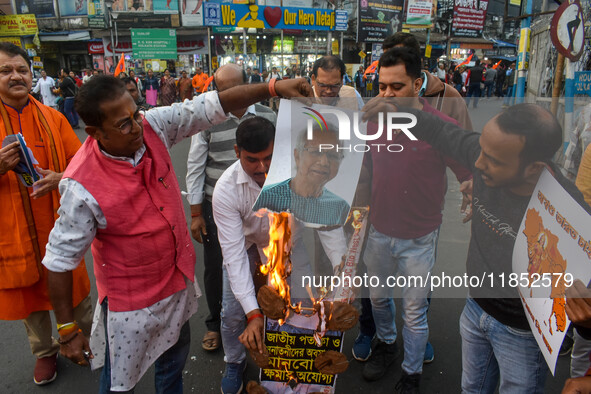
523	56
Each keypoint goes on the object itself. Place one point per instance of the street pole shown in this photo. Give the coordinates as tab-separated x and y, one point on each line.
523	57
209	50
557	84
569	98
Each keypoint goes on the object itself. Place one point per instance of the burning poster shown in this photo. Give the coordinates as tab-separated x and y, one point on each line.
316	164
552	249
304	335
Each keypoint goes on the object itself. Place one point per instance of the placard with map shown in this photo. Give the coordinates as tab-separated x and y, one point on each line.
552	249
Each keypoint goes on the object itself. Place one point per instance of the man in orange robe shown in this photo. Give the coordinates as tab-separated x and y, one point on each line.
199	80
28	213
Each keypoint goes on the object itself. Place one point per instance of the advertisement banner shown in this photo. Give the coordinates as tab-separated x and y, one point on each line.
192	13
166	6
378	19
18	25
419	12
260	17
123	46
234	44
153	43
41	8
139	5
121	5
469	17
96	17
73	8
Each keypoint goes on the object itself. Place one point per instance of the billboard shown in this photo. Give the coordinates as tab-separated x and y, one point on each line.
378	19
468	18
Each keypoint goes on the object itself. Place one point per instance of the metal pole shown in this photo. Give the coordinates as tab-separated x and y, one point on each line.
282	73
569	98
341	47
523	57
209	50
329	43
244	48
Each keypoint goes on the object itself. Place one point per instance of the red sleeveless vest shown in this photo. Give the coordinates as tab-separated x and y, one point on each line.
142	255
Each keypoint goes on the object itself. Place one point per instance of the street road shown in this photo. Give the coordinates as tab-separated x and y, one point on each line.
204	370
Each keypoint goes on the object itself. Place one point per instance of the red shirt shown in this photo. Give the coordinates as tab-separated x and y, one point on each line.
408	187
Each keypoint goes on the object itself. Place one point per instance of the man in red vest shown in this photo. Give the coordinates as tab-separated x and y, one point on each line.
121	195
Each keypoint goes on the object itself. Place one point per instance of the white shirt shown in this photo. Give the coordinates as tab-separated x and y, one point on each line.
152	330
45	85
197	161
239	228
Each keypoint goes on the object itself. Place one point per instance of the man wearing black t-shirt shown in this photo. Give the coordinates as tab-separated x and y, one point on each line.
507	160
68	90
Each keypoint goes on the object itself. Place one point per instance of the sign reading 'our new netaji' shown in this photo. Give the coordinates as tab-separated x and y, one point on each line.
153	43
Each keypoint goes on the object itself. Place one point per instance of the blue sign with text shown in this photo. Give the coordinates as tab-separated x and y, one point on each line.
583	82
212	15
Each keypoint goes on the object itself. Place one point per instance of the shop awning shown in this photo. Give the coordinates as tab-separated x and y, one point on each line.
503	44
81	35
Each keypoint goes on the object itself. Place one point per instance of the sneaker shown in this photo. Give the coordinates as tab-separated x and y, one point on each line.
429	354
232	379
45	370
362	347
408	384
383	356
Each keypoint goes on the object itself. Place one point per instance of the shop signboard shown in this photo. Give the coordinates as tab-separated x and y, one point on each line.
265	17
153	43
41	8
96	17
13	40
583	82
378	19
302	46
123	46
469	17
418	12
131	20
18	25
165	6
73	8
212	14
342	20
192	12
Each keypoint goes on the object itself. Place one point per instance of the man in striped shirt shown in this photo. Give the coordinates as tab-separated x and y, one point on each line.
212	152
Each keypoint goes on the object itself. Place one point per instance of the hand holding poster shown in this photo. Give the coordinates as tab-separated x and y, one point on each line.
552	249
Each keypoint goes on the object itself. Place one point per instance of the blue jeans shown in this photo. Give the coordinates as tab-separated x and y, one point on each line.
71	115
473	90
490	349
488	88
169	366
387	256
509	100
233	317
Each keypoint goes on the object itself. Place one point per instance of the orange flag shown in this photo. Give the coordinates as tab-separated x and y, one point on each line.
371	69
120	66
464	62
497	65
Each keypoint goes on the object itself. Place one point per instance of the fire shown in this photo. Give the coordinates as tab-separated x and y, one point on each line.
278	267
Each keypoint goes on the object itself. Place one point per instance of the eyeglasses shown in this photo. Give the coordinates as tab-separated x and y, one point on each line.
125	127
336	86
316	153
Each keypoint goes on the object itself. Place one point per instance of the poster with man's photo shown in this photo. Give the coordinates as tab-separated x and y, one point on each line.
316	163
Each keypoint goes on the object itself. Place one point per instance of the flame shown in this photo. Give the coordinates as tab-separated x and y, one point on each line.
278	267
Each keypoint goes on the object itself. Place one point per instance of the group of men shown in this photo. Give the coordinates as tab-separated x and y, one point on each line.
144	259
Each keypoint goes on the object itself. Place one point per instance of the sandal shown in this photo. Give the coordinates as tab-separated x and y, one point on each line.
211	341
